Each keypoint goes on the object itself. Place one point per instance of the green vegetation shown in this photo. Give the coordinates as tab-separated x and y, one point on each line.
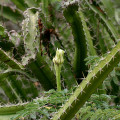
59	60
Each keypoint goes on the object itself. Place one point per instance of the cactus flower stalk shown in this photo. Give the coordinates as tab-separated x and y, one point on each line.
58	61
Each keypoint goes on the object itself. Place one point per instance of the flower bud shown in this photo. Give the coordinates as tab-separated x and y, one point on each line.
58	59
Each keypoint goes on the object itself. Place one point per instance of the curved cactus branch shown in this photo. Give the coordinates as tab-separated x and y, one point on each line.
89	85
72	17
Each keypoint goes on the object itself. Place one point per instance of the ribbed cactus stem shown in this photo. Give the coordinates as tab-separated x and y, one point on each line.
73	17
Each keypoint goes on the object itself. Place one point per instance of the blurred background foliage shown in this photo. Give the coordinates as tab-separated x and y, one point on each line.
12	41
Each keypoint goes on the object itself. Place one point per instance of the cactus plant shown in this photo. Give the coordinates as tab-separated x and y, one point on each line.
26	66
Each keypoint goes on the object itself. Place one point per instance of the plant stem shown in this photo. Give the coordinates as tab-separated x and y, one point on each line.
58	61
58	70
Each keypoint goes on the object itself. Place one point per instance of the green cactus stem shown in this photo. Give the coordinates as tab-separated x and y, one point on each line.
30	32
12	109
33	59
91	50
72	16
89	85
9	72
